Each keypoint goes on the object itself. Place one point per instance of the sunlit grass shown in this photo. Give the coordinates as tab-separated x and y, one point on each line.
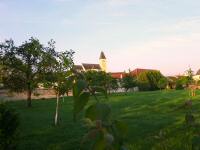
146	113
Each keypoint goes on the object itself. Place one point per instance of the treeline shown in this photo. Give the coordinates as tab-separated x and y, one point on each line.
146	81
25	67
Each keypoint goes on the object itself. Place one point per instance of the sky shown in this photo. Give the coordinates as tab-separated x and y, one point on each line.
154	34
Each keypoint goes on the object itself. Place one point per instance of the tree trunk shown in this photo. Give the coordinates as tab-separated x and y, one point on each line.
29	93
57	109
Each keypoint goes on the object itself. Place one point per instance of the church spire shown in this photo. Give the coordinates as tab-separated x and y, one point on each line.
102	55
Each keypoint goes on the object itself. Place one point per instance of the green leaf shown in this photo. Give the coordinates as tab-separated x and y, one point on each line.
196	142
100	143
80	102
78	87
100	89
98	112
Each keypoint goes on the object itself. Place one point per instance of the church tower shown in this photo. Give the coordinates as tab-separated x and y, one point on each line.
103	62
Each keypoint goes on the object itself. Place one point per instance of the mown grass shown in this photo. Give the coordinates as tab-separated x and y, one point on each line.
146	113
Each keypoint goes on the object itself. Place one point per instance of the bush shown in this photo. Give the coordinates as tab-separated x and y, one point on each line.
143	86
8	128
182	82
128	82
150	80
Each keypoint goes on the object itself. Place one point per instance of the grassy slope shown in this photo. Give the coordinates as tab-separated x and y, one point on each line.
146	113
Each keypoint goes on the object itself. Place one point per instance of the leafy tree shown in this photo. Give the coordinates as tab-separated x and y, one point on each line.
23	66
113	84
162	83
56	75
150	78
182	82
190	74
9	123
62	72
128	82
100	78
104	132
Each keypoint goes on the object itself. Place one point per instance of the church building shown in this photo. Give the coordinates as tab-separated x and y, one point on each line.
102	66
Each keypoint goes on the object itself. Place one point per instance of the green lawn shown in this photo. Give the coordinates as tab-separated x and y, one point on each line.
146	113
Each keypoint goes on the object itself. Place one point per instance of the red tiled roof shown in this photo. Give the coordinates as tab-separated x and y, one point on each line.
118	75
137	71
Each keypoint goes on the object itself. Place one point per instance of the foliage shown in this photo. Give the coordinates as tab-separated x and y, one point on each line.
128	82
101	78
182	82
24	66
56	76
143	86
150	78
104	132
113	84
9	123
162	83
190	74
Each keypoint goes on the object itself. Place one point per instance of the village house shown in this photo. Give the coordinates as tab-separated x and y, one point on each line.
197	76
102	66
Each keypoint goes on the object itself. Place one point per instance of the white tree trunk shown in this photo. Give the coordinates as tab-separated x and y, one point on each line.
57	109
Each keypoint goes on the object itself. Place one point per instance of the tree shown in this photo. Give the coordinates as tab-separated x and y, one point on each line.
150	78
189	77
100	78
59	79
57	73
113	84
128	82
182	82
162	83
190	74
104	132
23	66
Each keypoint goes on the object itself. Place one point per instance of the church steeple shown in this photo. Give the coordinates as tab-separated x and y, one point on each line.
102	55
103	62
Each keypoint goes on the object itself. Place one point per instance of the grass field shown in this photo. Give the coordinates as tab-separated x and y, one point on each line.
146	113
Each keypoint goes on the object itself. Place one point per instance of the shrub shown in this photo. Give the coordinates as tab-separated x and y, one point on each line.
143	86
151	78
128	82
8	128
182	82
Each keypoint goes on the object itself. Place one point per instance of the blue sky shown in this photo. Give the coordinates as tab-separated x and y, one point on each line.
159	34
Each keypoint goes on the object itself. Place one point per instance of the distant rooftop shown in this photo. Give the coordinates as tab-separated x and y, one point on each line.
78	67
198	72
91	66
137	71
